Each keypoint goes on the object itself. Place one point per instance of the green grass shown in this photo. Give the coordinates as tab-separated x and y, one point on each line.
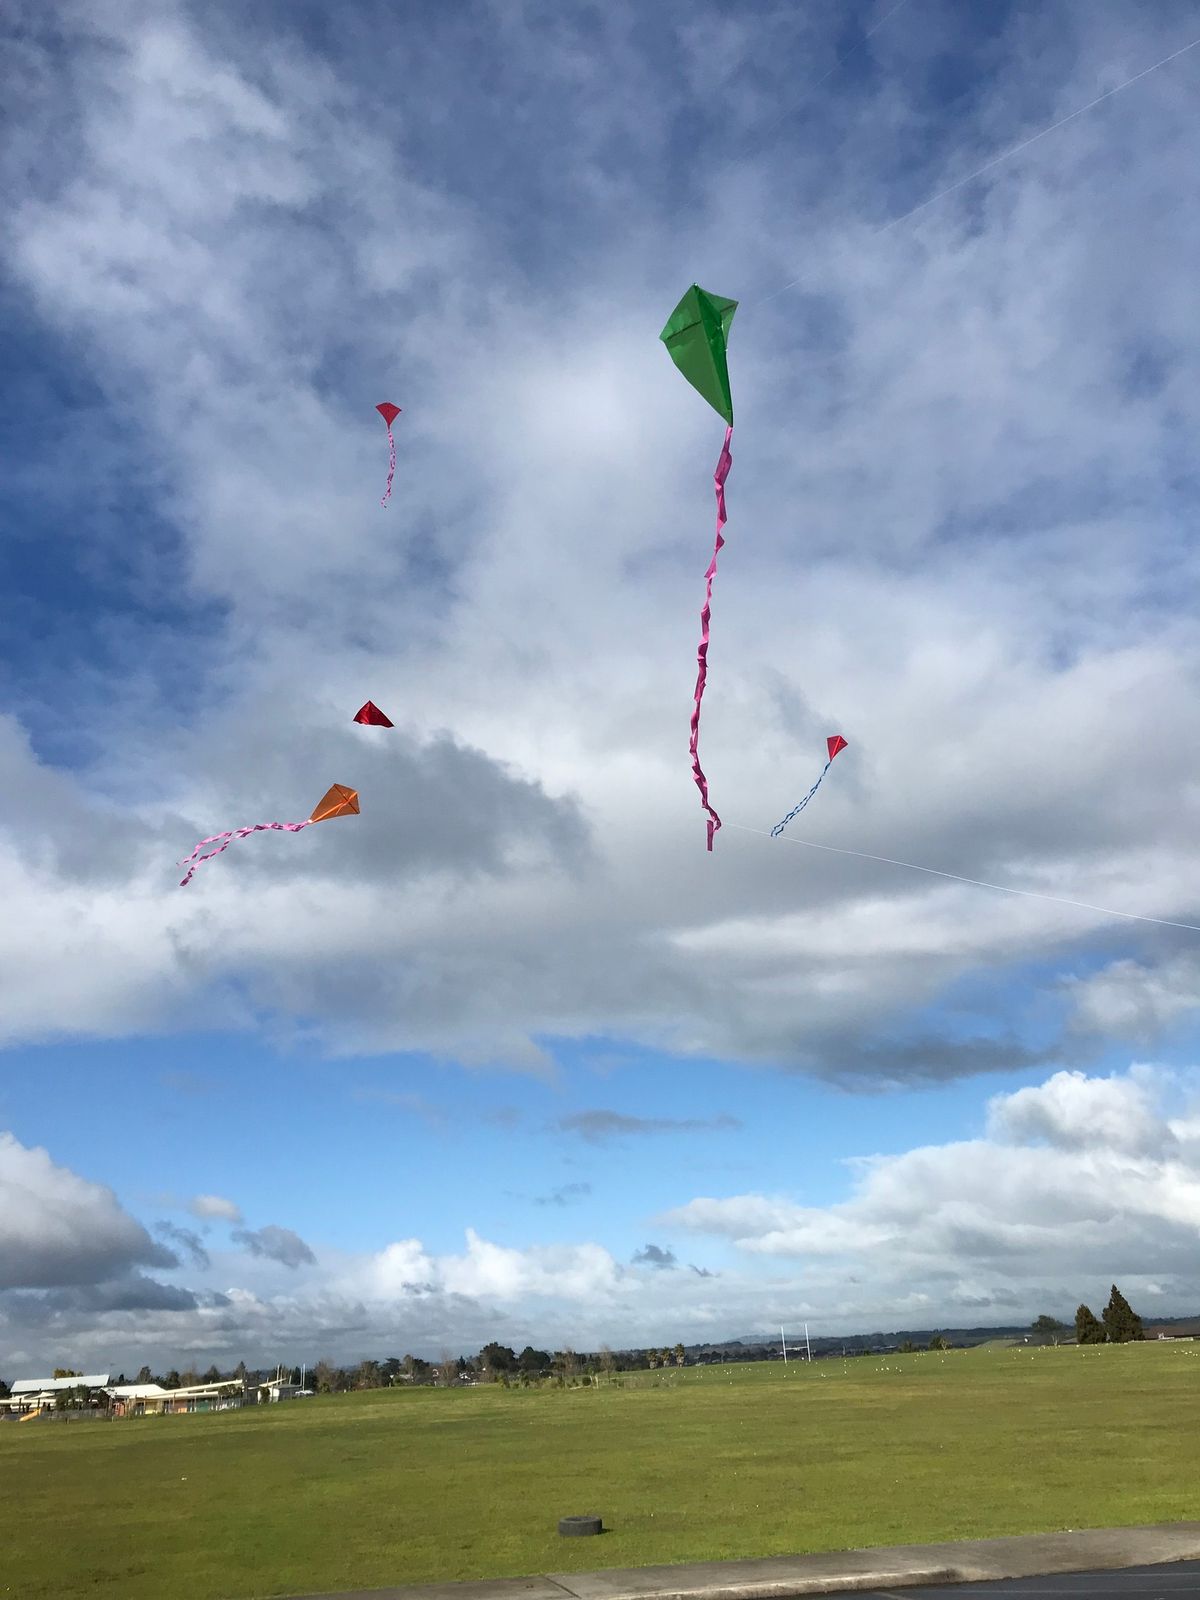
403	1486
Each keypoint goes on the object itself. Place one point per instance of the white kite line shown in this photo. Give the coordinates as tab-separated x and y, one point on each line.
1006	155
978	883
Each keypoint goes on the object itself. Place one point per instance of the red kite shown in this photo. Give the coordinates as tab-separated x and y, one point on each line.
371	716
833	744
389	413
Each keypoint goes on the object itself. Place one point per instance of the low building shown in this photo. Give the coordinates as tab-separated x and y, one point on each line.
151	1399
136	1399
1175	1330
29	1396
278	1389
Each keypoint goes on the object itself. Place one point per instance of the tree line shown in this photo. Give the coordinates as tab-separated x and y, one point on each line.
499	1363
495	1363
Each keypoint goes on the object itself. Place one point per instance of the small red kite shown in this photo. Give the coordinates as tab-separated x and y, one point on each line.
389	413
371	716
834	744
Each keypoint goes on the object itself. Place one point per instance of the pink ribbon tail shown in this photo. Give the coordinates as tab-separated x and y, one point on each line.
391	466
227	839
724	462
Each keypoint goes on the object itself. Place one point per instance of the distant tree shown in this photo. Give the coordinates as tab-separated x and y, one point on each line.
66	1372
679	1354
908	1348
606	1362
213	1374
172	1380
534	1362
1121	1322
144	1375
652	1359
241	1372
392	1369
324	1377
368	1376
1048	1328
422	1370
189	1378
496	1361
939	1342
447	1370
566	1364
1088	1329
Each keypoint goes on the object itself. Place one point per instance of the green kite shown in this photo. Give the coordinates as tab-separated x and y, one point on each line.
695	337
696	334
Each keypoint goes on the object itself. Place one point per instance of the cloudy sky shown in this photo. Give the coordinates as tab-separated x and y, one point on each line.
509	1055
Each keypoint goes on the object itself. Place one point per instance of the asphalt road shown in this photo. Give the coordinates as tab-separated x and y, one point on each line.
1166	1582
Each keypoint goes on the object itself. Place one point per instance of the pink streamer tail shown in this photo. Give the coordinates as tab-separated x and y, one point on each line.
391	466
224	840
724	462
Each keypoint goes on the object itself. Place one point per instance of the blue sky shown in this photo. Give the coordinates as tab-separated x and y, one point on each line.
441	1072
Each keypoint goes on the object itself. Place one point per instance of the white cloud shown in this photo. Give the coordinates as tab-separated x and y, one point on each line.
214	1206
1135	1000
1074	1112
984	1222
954	537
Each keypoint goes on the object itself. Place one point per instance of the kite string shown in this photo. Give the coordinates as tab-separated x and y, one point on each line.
978	883
724	462
839	61
237	833
1006	155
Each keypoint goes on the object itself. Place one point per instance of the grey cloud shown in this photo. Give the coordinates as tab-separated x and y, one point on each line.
58	1229
133	1293
597	1126
566	1194
885	1064
654	1255
274	1243
187	1239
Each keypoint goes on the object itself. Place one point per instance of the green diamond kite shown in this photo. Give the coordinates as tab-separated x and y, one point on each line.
696	335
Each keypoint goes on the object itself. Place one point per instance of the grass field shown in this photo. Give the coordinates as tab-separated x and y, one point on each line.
399	1486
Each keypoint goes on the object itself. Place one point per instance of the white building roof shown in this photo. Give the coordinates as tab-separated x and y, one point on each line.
96	1380
136	1391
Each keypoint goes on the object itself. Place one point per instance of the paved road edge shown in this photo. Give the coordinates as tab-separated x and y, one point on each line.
831	1572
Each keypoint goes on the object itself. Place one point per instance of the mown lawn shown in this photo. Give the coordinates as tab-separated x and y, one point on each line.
409	1486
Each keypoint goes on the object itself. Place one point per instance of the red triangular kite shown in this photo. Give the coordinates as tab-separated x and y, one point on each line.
389	413
371	716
